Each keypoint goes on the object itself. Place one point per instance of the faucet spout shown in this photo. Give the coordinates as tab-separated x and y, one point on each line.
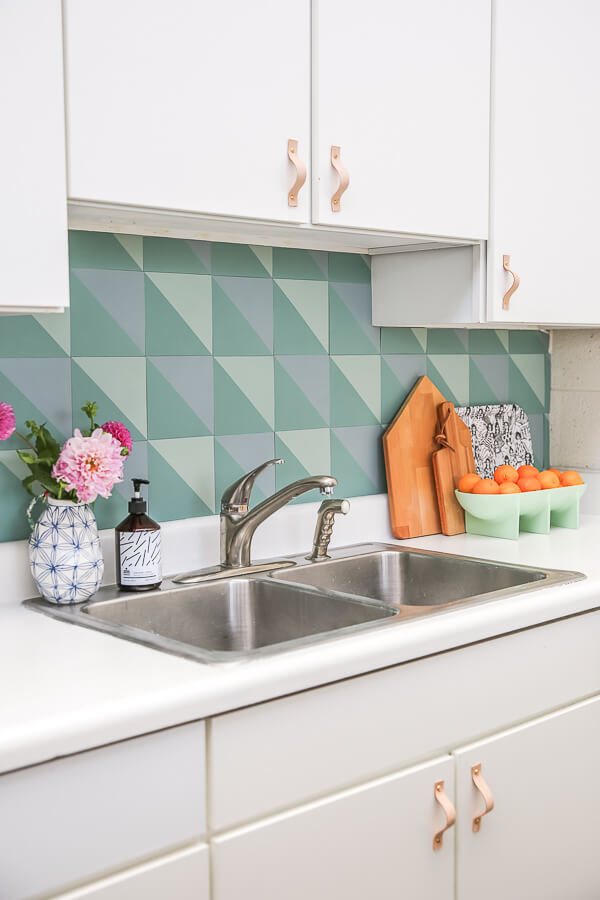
237	528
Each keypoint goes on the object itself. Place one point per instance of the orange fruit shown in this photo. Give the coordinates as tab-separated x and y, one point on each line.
556	471
486	486
509	487
506	473
529	483
528	472
549	479
468	482
569	478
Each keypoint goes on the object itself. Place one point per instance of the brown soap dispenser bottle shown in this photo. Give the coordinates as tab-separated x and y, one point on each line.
137	546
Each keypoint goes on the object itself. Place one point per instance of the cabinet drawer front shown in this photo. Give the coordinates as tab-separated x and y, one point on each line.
182	875
372	841
275	755
79	817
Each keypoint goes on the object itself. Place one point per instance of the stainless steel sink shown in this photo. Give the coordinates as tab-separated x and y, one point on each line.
224	619
361	587
418	578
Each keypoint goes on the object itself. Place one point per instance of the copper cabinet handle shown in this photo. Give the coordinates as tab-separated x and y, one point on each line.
300	167
515	282
448	807
344	178
484	789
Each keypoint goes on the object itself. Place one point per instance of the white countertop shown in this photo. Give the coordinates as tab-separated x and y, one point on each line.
67	688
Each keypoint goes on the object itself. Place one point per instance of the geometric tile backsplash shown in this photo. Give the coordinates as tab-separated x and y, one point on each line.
219	356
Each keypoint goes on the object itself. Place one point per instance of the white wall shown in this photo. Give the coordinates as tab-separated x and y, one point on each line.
575	399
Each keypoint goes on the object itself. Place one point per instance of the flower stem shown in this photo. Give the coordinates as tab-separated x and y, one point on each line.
25	441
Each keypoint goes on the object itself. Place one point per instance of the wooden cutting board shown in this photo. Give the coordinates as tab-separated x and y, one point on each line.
408	445
453	460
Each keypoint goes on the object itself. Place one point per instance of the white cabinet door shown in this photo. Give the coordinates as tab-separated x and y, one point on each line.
545	149
179	876
540	841
33	224
185	105
373	841
403	89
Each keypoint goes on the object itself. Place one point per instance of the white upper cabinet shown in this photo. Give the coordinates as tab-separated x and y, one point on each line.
33	226
545	149
403	89
186	105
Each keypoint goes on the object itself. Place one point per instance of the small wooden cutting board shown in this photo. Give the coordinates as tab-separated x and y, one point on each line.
453	460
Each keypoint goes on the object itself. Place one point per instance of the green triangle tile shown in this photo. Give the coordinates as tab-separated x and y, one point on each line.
488	379
364	374
58	326
172	497
167	333
442	385
13	522
291	334
25	337
97	250
176	255
232	332
191	297
131	392
192	459
237	259
444	341
134	245
293	408
454	371
93	330
527	342
349	267
255	377
290	262
521	392
402	340
480	393
347	406
305	453
533	374
169	416
228	470
234	412
353	481
311	301
25	409
393	393
483	340
346	334
264	256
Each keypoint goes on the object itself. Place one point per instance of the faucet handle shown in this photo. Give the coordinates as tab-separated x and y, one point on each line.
237	496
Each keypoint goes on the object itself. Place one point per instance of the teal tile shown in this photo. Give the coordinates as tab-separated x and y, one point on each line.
117	385
355	390
403	340
301	317
527	342
350	329
182	478
447	340
244	395
398	377
526	382
289	262
178	314
38	389
111	511
240	259
97	250
176	255
107	313
13	519
180	396
242	316
306	452
237	454
350	267
39	336
488	340
301	392
357	461
488	379
450	374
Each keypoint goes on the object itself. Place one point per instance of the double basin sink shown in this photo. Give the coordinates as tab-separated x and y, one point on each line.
361	587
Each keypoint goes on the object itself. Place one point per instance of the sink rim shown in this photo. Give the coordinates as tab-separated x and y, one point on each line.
78	614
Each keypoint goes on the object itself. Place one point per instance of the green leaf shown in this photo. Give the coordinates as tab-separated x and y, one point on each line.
28	484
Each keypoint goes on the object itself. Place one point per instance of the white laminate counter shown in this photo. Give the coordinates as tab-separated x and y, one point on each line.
67	688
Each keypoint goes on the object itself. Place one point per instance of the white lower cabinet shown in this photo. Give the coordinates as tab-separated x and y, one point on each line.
372	841
179	876
540	841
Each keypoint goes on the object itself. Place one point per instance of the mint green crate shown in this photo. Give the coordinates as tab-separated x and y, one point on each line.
506	515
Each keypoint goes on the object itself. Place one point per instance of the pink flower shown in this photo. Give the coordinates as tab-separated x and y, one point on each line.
8	423
90	465
121	433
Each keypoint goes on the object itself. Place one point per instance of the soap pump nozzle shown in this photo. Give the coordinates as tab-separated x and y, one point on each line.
137	504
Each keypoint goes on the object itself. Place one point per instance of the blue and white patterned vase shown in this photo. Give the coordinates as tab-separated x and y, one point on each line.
65	552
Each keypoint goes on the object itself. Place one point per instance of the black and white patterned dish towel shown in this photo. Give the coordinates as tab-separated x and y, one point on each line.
500	434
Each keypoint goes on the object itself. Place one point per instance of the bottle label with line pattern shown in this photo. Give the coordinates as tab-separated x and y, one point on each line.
140	557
